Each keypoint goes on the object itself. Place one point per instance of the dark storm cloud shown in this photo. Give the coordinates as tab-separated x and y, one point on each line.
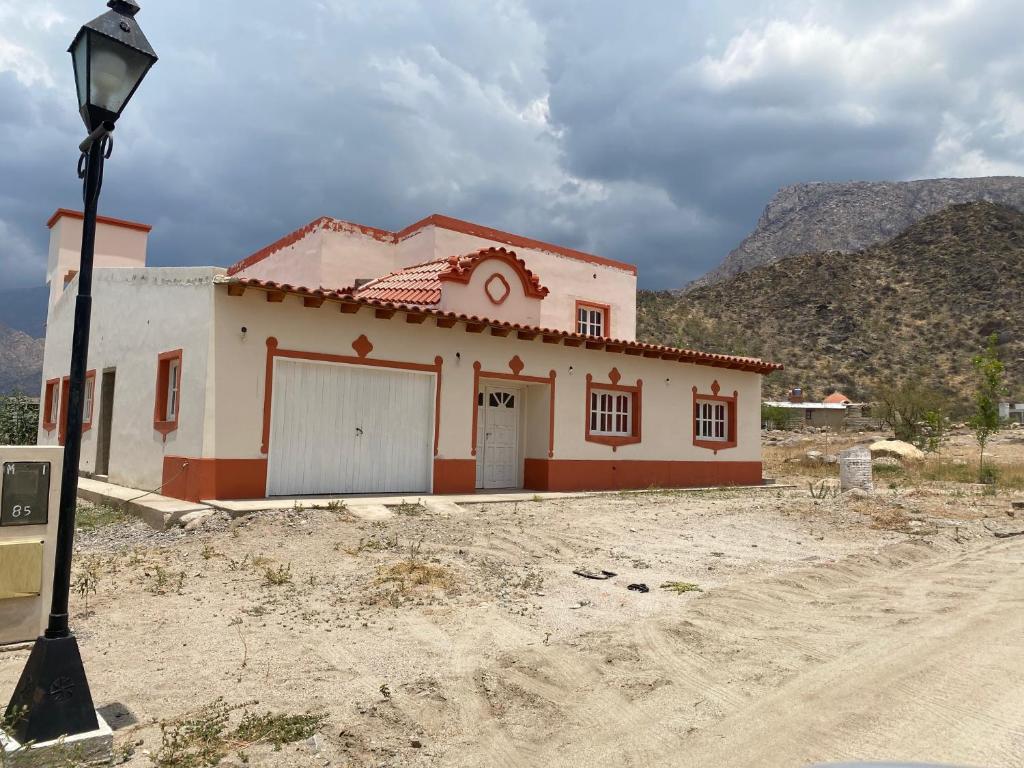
650	132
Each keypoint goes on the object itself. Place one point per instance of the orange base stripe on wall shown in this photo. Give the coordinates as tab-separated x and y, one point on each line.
194	479
610	475
454	475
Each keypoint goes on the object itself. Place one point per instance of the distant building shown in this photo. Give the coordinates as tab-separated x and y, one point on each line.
1012	412
829	413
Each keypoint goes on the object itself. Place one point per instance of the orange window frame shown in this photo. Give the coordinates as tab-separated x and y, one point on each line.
606	323
62	418
636	414
730	418
161	423
49	399
88	404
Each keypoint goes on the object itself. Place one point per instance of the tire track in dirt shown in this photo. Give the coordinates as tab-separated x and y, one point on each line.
871	655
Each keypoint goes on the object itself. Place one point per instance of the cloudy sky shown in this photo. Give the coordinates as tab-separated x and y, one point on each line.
653	131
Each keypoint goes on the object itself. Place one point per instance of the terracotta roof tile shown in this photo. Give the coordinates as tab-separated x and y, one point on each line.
837	397
421	283
347	296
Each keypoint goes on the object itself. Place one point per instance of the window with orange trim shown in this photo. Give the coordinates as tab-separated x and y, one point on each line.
714	419
593	319
62	420
613	411
168	392
88	398
51	405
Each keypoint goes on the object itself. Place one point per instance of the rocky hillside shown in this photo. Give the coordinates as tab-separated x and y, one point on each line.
847	217
920	304
21	362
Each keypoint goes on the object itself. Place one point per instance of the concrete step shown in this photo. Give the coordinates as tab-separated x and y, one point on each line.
159	512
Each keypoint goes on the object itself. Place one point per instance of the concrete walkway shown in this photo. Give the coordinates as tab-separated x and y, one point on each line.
164	512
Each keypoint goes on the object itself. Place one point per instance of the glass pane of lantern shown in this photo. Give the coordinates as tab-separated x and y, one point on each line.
80	58
115	71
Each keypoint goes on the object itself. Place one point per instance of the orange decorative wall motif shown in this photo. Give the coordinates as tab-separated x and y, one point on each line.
497	288
462	269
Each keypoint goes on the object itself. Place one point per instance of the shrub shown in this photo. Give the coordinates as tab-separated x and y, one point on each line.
19	420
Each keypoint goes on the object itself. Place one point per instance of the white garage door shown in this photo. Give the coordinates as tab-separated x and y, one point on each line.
348	429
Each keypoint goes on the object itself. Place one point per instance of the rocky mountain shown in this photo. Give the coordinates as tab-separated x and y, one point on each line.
920	304
847	217
21	362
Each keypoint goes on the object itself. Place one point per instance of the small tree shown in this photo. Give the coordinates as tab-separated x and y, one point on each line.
19	420
774	417
914	412
991	386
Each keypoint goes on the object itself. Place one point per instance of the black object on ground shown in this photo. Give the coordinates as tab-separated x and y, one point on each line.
638	588
599	575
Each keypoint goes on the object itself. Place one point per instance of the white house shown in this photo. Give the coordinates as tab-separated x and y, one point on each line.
1013	412
443	358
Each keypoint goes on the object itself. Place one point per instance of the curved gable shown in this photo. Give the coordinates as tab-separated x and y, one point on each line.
462	268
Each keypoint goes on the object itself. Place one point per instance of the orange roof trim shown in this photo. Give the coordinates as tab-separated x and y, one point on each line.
436	220
347	296
62	212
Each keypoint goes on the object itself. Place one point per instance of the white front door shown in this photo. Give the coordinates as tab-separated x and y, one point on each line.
497	455
337	428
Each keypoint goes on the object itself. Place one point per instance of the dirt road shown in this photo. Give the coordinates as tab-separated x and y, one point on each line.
914	654
885	628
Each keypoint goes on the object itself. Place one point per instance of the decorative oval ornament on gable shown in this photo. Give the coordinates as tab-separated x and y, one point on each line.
497	288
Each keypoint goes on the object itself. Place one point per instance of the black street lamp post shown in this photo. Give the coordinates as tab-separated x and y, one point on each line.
111	56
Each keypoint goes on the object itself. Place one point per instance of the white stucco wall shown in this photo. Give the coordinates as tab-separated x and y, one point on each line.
327	254
116	247
136	315
667	394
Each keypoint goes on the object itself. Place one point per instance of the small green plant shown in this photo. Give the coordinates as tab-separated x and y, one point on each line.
409	509
87	580
823	490
537	498
204	738
123	752
277	577
89	517
277	729
208	551
158	585
681	587
991	386
335	505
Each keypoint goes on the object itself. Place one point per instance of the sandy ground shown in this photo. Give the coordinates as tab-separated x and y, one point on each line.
884	628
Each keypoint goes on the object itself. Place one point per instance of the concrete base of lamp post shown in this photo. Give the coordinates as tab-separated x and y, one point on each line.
92	749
